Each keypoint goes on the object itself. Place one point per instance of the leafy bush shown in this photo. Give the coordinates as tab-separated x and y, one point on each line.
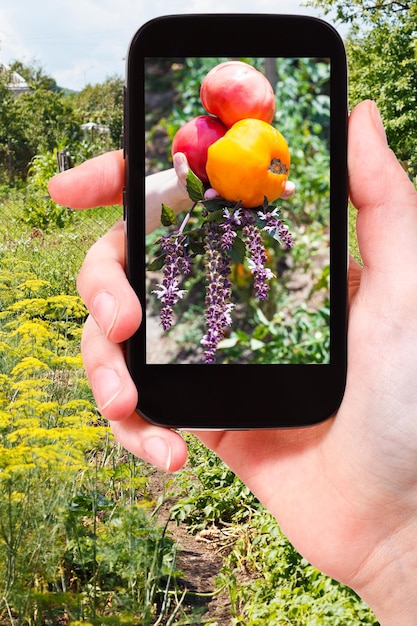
270	583
214	494
40	211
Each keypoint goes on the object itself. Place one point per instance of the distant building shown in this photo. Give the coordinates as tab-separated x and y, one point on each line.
92	127
17	83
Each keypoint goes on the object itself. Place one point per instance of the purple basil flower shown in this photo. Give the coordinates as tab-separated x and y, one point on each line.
276	227
219	238
218	291
168	292
257	260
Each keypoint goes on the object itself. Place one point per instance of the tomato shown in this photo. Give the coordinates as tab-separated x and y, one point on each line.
194	138
250	162
235	90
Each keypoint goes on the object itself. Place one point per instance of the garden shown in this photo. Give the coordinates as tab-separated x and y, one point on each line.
90	534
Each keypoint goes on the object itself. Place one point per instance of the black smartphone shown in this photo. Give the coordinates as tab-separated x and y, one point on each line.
243	289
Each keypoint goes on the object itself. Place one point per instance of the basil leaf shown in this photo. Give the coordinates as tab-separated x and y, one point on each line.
168	217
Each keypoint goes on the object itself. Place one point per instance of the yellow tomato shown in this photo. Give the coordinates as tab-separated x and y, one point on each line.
249	162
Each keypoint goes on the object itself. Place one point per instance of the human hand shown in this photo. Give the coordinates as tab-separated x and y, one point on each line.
344	491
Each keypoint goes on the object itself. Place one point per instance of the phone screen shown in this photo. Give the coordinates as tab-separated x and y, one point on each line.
266	297
243	279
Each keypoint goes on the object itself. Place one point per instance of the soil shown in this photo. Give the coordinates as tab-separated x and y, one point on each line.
198	559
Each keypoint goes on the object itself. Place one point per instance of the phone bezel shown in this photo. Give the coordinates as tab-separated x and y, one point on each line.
238	396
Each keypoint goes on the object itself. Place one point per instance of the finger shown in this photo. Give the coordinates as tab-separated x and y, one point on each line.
97	182
116	397
162	447
104	361
289	190
383	194
181	167
105	289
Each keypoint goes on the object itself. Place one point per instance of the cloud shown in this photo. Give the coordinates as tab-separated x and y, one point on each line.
85	41
10	37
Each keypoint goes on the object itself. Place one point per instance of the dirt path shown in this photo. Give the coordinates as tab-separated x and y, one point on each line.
199	561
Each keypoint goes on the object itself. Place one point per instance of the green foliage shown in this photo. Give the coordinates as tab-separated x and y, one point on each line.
35	76
302	337
46	117
116	557
102	104
40	211
382	58
32	123
214	495
371	11
303	117
270	583
386	56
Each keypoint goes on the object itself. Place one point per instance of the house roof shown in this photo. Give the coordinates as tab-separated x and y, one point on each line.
17	83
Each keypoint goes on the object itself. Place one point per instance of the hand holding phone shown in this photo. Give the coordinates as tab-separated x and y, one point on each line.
225	272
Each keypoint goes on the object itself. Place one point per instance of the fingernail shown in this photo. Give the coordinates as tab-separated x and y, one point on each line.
158	452
107	385
210	194
379	126
179	159
104	310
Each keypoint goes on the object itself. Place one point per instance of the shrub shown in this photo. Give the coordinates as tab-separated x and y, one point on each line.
270	583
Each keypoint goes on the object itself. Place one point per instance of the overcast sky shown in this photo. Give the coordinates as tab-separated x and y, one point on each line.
84	41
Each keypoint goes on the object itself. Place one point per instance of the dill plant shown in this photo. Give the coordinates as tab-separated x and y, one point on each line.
77	541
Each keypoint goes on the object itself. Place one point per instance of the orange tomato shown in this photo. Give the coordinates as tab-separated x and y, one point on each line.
249	162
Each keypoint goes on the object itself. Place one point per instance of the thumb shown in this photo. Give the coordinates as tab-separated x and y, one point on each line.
383	195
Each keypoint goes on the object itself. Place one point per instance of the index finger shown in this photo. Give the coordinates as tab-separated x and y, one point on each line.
97	182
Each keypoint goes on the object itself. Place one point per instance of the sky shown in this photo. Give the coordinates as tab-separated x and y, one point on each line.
80	42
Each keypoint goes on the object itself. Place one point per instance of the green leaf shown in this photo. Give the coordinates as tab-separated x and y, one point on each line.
197	248
238	251
157	263
215	216
230	342
168	217
255	344
215	204
194	187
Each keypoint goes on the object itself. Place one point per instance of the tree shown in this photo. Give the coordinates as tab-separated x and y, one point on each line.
102	104
382	53
47	120
35	76
354	11
32	123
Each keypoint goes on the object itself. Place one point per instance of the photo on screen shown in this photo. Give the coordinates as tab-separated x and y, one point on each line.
242	275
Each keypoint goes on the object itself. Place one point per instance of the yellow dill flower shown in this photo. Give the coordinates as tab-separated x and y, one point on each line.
29	366
34	331
68	361
33	284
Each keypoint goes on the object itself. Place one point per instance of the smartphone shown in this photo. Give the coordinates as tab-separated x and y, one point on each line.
244	302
